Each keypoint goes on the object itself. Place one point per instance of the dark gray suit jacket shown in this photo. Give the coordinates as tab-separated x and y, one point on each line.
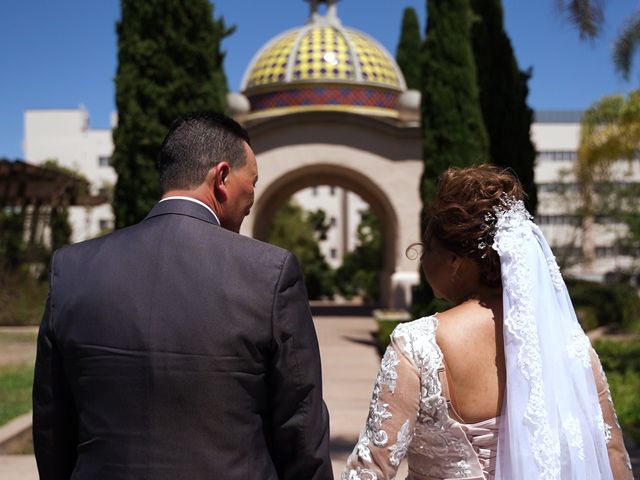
174	349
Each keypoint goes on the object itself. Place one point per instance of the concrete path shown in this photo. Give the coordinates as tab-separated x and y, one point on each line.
18	467
349	366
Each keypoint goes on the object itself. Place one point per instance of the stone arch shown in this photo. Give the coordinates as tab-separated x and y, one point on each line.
378	159
281	189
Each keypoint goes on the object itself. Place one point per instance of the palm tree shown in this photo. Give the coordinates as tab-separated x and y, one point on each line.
610	132
588	17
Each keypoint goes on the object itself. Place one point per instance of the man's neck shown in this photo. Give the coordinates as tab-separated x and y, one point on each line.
190	195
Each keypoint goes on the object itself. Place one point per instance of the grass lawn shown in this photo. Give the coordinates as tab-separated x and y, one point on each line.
15	390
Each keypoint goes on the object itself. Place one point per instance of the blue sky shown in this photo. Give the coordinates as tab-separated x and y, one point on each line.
62	53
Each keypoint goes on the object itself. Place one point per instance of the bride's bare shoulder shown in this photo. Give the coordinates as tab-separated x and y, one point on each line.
456	317
464	322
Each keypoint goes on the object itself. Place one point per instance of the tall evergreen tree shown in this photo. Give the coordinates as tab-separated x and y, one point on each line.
454	132
169	63
410	49
503	96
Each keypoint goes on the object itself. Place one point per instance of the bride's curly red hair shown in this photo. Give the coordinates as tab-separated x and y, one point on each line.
458	215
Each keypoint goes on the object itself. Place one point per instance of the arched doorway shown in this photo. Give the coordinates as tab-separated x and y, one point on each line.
280	190
376	160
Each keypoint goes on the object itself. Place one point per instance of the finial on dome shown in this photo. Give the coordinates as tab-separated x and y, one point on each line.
331	16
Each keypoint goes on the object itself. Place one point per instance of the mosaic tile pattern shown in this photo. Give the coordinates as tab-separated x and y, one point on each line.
357	96
374	62
271	66
323	54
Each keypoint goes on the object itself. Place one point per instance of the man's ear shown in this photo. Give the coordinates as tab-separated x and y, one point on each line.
218	176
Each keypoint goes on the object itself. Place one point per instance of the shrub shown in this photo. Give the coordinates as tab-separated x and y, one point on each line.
619	356
624	391
387	321
598	304
621	361
22	298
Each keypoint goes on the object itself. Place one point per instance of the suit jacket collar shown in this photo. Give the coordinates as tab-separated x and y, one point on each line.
182	207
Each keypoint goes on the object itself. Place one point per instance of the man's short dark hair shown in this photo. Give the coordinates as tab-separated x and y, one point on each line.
196	142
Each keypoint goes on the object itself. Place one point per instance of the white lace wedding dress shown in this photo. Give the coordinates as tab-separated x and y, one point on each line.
411	415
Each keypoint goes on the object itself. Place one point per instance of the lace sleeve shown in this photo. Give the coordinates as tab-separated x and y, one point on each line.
392	417
618	456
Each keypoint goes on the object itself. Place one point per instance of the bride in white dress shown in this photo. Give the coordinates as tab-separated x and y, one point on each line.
505	385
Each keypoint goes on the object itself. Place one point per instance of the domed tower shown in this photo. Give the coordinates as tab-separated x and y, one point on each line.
322	65
327	105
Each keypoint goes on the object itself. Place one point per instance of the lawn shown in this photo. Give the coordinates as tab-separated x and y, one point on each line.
17	354
15	390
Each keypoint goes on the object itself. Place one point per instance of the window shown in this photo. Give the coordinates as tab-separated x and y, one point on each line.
104	224
557	155
332	190
606	252
333	221
558	220
314	191
567	251
104	161
574	220
614	251
558	187
607	220
334	253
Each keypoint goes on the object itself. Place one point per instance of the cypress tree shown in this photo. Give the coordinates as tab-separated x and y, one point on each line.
454	132
410	48
503	96
169	63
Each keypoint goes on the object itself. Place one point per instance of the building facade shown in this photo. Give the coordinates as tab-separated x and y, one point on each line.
64	136
589	253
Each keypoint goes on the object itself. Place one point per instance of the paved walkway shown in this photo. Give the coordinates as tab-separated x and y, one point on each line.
350	363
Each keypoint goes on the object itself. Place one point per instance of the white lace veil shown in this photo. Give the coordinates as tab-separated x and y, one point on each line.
551	426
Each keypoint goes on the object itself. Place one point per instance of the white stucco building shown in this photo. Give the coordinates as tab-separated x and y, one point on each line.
64	136
556	135
343	215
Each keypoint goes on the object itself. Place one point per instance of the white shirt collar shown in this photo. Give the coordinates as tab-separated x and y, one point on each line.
194	200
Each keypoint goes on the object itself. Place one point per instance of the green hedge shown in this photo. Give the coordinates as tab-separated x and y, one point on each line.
385	328
621	361
619	355
387	321
599	304
22	298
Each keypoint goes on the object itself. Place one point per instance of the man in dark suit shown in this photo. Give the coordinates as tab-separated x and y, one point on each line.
176	348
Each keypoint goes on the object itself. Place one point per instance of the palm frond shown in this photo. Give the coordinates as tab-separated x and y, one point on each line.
626	45
610	131
586	15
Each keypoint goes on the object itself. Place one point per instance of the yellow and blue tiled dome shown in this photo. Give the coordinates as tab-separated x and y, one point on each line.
323	65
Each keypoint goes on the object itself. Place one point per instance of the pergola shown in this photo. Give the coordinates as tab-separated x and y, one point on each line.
27	188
